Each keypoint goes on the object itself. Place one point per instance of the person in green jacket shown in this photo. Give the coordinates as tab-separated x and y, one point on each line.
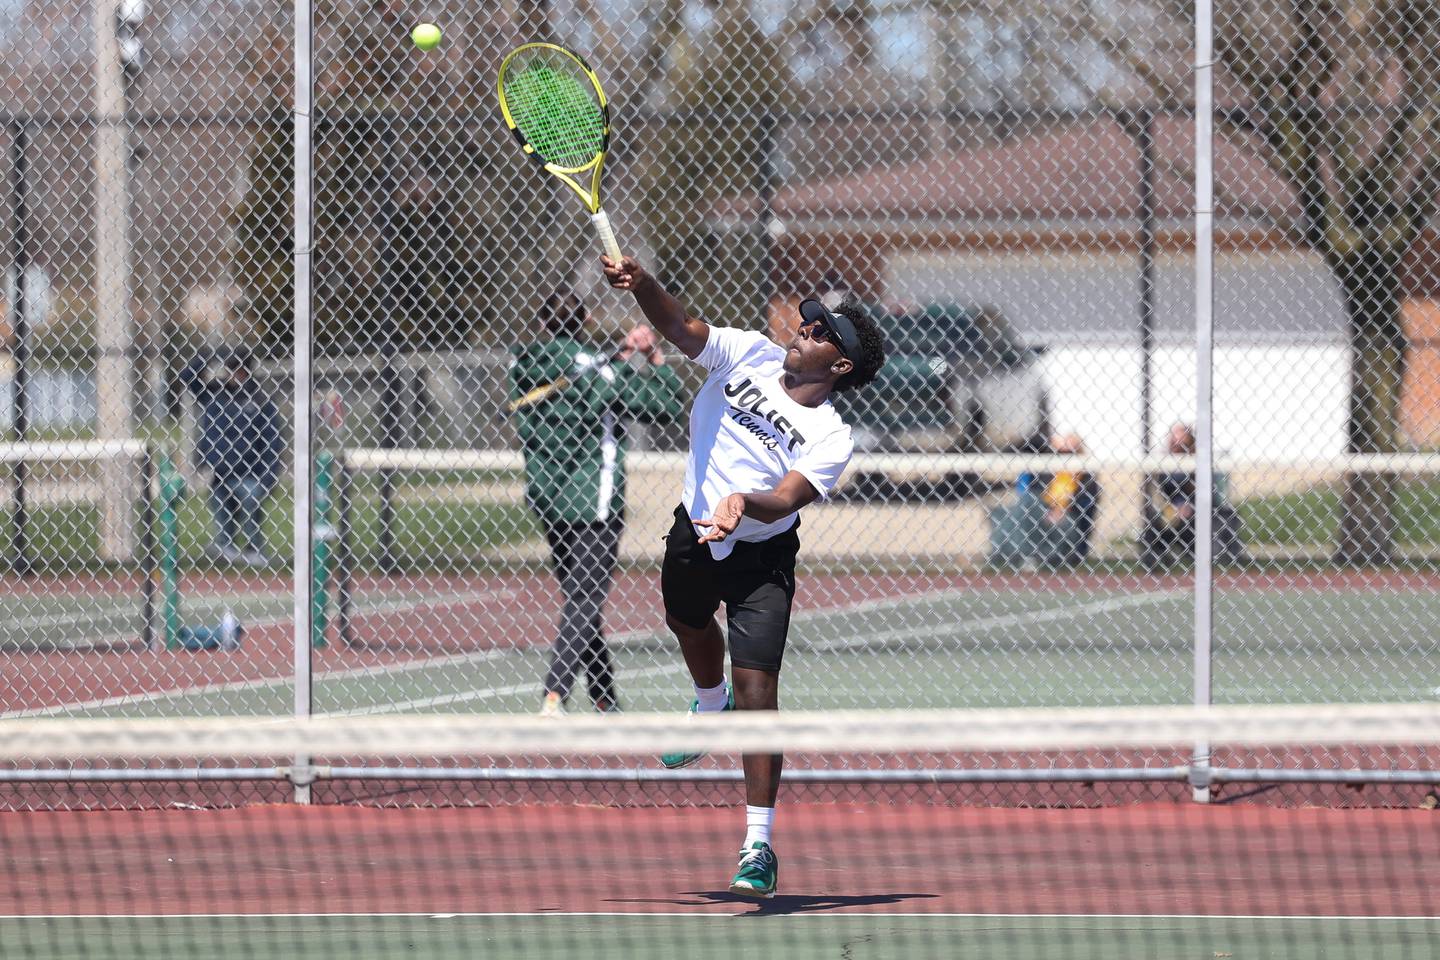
574	445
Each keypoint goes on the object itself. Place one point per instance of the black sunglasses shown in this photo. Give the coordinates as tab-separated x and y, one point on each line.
821	332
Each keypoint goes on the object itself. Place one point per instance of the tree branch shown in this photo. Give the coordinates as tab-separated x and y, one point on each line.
1296	131
1412	134
1415	213
652	60
1082	18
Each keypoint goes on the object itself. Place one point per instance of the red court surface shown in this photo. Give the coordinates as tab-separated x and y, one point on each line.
1156	859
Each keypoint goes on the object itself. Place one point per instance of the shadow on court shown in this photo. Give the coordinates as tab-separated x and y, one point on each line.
783	903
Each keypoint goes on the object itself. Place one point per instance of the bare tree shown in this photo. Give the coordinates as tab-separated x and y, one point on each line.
716	142
1341	98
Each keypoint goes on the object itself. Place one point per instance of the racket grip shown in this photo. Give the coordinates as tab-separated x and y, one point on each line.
607	235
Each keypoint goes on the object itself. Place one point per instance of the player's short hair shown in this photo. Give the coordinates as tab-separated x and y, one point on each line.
563	313
871	355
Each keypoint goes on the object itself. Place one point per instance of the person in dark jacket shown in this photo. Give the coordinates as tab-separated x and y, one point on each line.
241	444
1169	533
574	445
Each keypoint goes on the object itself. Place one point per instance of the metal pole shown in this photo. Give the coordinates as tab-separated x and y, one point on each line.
304	95
20	323
1144	128
1145	140
1204	359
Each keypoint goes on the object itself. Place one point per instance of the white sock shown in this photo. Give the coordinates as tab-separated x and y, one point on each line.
712	699
758	821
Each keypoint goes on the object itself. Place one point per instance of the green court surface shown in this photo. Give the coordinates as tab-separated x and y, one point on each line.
950	648
744	931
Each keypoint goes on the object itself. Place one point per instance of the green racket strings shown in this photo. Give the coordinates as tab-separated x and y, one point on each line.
557	114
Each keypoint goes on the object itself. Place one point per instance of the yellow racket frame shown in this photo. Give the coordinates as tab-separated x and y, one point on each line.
589	195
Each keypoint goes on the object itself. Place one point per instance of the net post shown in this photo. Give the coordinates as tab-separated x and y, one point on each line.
172	489
148	562
1204	373
323	537
303	652
344	587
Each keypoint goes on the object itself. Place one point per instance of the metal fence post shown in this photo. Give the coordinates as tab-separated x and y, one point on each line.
1204	359
303	585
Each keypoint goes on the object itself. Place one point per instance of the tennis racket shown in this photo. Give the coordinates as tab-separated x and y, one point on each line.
536	394
554	106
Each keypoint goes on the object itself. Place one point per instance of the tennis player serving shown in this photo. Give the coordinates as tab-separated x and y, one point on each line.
764	442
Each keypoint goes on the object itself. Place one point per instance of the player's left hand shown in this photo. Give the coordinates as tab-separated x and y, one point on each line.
726	519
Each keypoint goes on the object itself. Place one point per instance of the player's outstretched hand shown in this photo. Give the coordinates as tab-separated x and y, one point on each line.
623	274
727	517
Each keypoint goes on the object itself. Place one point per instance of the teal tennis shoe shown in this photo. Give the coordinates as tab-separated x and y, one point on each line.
759	872
674	761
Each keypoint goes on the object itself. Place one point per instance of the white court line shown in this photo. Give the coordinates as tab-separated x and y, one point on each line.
1007	620
117	606
989	623
1023	618
261	683
812	914
121	606
383	670
465	696
487	693
213	603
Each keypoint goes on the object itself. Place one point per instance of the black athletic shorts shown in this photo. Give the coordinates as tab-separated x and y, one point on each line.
756	582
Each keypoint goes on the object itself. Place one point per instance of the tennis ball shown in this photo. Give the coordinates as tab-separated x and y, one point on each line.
426	36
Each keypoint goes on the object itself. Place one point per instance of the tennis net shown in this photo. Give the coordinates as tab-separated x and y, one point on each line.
350	845
79	557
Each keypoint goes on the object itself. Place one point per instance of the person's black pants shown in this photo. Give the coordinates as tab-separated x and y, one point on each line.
1163	543
583	556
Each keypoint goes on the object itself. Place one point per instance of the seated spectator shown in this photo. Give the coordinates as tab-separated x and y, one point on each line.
1051	523
1170	525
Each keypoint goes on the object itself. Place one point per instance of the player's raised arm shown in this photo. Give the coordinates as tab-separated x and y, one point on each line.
663	311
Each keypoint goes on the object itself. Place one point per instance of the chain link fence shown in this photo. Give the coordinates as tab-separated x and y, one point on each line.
1011	191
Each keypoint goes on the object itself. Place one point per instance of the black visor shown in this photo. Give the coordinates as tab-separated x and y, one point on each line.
845	337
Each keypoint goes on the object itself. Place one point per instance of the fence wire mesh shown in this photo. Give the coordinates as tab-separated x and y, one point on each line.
1008	191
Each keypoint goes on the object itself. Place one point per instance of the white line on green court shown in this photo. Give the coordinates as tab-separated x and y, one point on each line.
1018	619
859	642
1003	621
261	683
214	604
384	670
121	606
486	693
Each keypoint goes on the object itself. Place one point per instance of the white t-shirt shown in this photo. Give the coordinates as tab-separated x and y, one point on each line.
746	433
